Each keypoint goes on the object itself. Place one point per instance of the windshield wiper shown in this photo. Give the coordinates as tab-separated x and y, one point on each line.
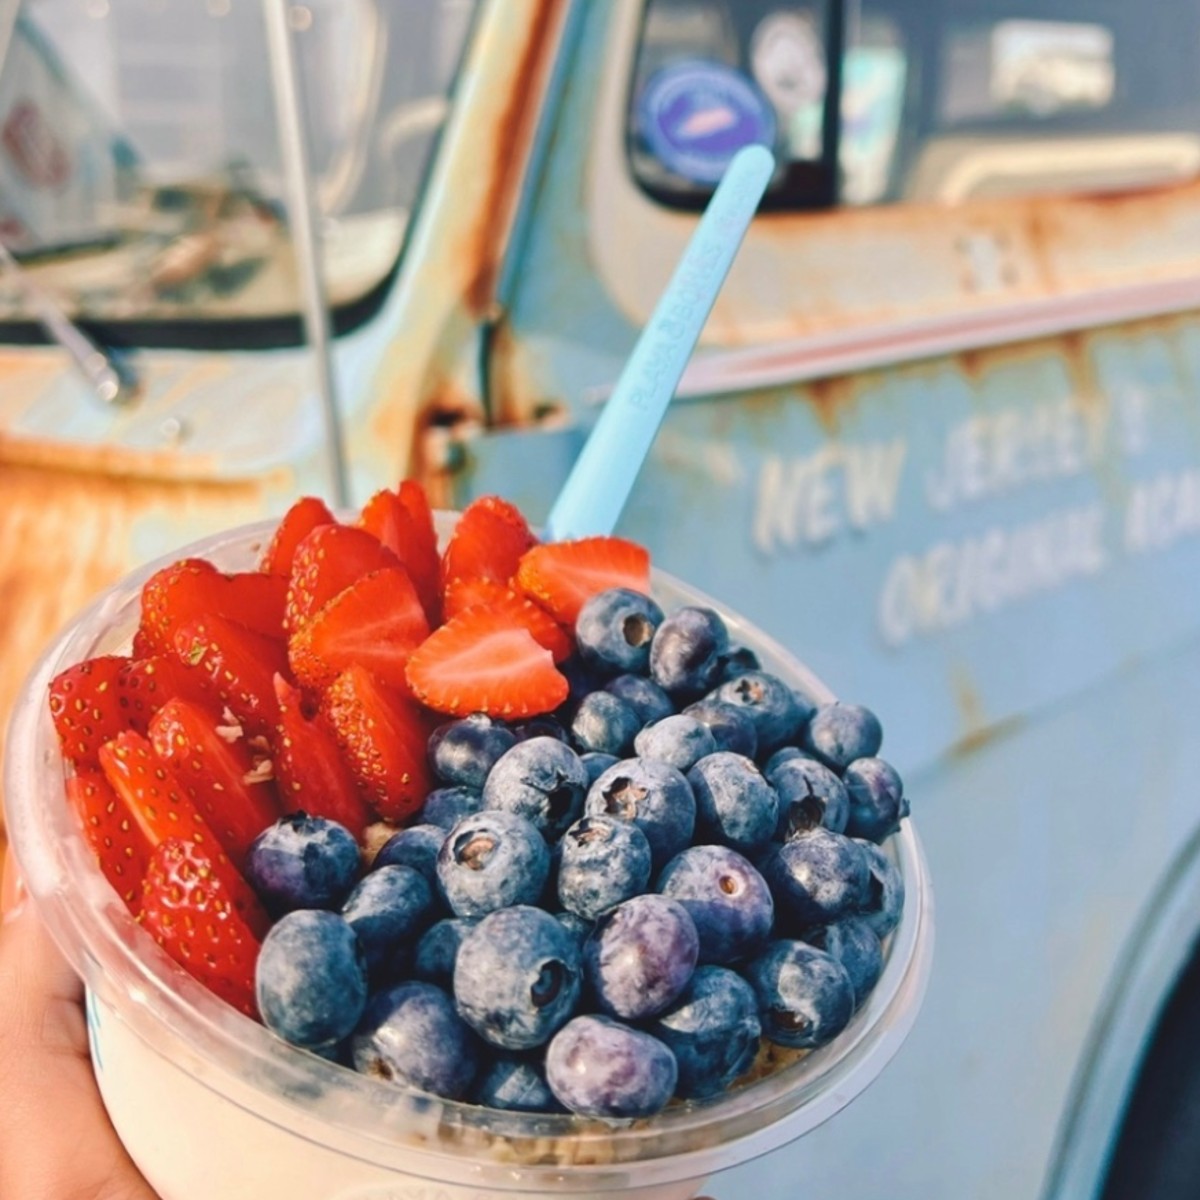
110	380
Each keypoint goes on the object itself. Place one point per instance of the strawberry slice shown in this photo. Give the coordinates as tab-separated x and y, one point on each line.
327	562
86	707
240	665
158	804
406	529
485	661
120	845
216	767
313	776
194	588
465	594
563	576
191	914
377	621
383	736
421	557
148	683
487	543
307	514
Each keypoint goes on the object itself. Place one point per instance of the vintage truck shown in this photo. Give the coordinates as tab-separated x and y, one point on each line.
941	437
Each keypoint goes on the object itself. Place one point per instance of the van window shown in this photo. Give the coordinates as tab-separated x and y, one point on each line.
141	174
935	102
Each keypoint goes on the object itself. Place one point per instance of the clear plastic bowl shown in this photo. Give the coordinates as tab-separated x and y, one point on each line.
210	1104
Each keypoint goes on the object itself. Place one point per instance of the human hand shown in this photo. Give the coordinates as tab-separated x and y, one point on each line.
56	1141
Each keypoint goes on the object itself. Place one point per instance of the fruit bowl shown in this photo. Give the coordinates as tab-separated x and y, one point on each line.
199	1092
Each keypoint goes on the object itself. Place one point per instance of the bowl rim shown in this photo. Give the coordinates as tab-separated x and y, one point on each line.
126	969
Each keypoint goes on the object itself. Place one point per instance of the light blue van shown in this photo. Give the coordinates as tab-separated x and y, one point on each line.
942	436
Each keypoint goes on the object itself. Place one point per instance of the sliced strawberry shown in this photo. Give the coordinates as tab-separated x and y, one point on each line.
312	774
121	847
327	562
485	661
487	543
148	683
407	531
465	594
215	765
377	621
159	805
421	557
194	588
85	705
239	663
383	736
194	918
298	522
562	576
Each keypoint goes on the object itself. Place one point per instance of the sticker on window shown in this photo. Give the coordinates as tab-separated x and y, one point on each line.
695	116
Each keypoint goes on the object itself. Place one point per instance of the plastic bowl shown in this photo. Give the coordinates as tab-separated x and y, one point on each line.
211	1104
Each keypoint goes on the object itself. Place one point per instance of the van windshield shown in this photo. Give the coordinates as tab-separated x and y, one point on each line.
141	171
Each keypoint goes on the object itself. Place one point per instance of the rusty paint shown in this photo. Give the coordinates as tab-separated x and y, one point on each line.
831	399
513	136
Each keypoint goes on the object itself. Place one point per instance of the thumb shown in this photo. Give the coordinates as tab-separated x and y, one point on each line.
55	1136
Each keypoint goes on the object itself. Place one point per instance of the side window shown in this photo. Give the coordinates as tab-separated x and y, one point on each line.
883	101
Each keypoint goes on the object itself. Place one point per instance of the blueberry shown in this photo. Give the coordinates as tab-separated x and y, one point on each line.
410	1034
604	724
416	847
885	891
804	995
597	1067
545	726
735	805
728	900
492	860
541	780
640	956
713	1030
388	911
782	755
839	733
515	1085
463	752
731	727
646	698
445	807
816	878
854	944
654	796
596	764
517	977
737	660
602	861
877	803
687	653
311	978
303	862
580	928
810	794
768	702
678	740
580	680
614	629
437	950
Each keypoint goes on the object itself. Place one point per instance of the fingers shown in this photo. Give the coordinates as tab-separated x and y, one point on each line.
56	1142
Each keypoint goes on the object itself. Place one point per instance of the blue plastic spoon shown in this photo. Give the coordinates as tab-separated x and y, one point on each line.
603	475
